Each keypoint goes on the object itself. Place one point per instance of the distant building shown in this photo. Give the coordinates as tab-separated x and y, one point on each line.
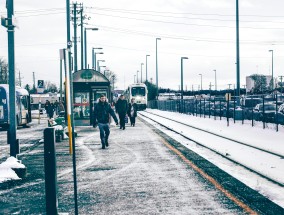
250	82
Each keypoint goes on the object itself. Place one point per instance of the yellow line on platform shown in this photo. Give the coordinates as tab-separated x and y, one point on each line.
210	179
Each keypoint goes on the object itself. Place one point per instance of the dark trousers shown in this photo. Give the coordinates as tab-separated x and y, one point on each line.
132	120
104	131
122	119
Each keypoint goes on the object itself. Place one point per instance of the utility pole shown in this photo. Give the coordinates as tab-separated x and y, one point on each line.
229	86
210	86
34	80
20	79
237	51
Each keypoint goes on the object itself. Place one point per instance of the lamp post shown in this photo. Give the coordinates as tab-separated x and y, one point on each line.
141	71
200	82
272	69
85	42
147	67
237	52
137	76
157	81
94	57
215	80
181	77
98	64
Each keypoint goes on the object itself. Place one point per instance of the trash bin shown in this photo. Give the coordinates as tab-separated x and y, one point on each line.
238	114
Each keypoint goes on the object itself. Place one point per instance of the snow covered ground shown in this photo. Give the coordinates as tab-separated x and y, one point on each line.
267	139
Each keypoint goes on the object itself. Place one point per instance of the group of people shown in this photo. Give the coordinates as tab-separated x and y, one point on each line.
103	110
56	107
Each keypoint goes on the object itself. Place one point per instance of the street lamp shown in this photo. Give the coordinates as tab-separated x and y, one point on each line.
94	57
85	42
272	70
201	81
215	80
141	72
181	79
147	67
137	75
98	64
157	82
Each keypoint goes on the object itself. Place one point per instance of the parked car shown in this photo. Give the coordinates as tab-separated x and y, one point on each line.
265	112
280	115
248	105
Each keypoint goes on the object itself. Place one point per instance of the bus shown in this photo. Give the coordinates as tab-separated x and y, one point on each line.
139	92
23	108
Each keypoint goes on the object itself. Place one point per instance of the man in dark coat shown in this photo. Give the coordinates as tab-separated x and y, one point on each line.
121	109
102	111
132	111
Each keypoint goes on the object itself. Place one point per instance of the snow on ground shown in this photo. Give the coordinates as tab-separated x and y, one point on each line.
6	172
267	139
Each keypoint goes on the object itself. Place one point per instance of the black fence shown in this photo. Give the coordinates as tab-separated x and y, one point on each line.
253	109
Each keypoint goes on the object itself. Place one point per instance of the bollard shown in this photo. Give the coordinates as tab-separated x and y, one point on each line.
50	172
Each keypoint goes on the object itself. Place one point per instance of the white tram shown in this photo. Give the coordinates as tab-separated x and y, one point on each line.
139	92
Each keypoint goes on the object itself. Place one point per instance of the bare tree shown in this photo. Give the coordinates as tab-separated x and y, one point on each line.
3	71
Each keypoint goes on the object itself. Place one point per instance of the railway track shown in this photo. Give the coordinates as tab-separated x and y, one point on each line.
228	148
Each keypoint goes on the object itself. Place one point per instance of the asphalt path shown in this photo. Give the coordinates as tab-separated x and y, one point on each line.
136	174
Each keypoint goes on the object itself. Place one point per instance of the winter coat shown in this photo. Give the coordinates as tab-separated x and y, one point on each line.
121	106
129	110
102	111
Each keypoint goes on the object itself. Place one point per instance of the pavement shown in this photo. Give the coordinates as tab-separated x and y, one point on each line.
139	173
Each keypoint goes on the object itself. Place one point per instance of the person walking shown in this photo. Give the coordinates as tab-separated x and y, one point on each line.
102	110
121	109
132	111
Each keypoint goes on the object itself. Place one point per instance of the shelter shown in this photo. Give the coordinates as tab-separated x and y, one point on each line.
88	85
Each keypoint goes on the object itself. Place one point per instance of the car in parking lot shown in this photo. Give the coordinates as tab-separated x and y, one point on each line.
265	112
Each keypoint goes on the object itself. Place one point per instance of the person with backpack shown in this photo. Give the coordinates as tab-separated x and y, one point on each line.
102	110
132	111
121	109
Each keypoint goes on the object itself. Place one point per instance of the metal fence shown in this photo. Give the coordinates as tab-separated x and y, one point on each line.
249	109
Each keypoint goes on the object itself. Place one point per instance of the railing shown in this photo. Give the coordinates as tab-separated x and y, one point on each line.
250	109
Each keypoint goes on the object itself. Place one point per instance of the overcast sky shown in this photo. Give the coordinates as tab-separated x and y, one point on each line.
202	30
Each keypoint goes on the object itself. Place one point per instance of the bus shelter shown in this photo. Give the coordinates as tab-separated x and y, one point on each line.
88	85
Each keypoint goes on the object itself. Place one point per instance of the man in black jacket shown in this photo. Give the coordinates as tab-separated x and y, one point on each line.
101	118
121	108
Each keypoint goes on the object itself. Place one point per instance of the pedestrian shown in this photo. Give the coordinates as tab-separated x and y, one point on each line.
61	109
50	110
132	111
56	104
121	109
102	110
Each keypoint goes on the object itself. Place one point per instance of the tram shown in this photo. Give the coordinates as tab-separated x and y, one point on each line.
23	108
139	92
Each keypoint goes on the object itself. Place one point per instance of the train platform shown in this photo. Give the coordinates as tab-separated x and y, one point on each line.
143	171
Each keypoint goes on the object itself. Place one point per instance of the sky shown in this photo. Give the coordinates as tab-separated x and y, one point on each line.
203	30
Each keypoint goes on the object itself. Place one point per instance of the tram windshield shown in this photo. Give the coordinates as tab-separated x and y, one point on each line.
138	91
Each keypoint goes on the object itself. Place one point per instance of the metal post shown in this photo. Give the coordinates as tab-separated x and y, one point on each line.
75	36
141	72
85	48
181	80
93	56
12	91
215	80
272	70
50	172
238	51
157	81
137	75
82	47
147	67
71	111
134	78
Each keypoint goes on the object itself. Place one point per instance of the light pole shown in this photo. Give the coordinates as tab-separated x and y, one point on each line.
147	67
98	62
200	82
141	71
215	80
181	77
94	57
137	76
237	52
272	70
85	42
157	81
